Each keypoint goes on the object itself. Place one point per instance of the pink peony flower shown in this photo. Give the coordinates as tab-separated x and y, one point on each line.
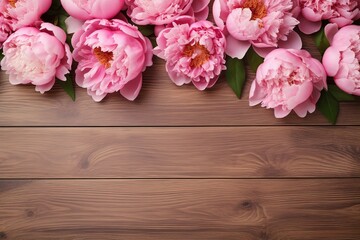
90	9
15	14
265	24
341	12
163	12
37	56
5	30
112	55
342	59
288	80
194	52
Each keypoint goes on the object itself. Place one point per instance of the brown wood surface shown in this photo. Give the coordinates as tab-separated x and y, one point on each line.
161	103
175	164
175	209
199	152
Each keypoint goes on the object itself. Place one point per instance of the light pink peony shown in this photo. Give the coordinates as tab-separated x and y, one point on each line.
194	52
341	59
91	9
112	55
288	80
5	30
37	56
265	24
161	12
20	13
341	12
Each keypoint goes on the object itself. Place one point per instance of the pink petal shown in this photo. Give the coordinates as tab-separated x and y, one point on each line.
96	97
341	21
73	25
177	78
256	96
201	85
331	61
217	9
236	48
61	71
346	85
330	30
45	87
132	89
213	81
202	15
303	92
293	41
279	112
200	5
263	52
302	109
307	26
55	31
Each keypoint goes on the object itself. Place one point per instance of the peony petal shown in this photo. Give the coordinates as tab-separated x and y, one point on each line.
74	10
96	97
73	25
55	31
45	87
307	26
303	92
213	81
263	52
132	89
305	107
256	96
200	5
202	15
330	30
279	112
331	61
201	85
346	85
293	41
236	48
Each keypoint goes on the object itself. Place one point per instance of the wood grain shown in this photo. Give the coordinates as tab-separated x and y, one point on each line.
161	103
174	209
205	152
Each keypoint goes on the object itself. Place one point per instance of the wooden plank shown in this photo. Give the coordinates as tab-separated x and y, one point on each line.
161	103
174	209
199	152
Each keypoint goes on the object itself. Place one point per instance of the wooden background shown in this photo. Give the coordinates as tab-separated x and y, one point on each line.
175	164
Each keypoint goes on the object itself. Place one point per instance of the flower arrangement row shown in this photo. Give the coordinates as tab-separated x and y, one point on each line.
104	46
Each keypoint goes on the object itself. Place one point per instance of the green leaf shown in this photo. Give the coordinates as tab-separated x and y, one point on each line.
1	54
328	106
339	94
321	41
235	74
146	30
68	85
61	22
253	59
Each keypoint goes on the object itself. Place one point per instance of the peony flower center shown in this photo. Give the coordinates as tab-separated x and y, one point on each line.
257	8
202	54
292	79
103	57
12	3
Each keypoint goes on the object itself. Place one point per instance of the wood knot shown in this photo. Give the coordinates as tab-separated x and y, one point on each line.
264	235
247	204
3	235
84	163
29	213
